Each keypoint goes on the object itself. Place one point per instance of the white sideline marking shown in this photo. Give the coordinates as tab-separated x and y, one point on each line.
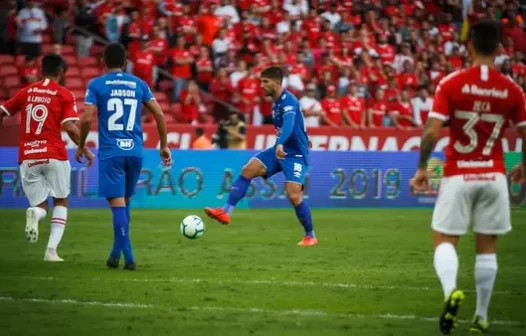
293	312
258	282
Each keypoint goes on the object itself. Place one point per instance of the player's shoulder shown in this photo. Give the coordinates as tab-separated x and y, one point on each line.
97	82
287	98
455	77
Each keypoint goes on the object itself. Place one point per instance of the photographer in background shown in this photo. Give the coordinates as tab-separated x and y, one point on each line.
231	133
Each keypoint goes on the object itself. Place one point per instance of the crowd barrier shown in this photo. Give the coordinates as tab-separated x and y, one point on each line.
203	178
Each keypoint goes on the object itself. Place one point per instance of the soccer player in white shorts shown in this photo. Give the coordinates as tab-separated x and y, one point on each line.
478	102
47	109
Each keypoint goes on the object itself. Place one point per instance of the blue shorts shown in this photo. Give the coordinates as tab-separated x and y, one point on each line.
118	176
294	167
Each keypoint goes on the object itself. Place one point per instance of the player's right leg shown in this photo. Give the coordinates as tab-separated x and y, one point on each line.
450	221
37	192
263	164
112	186
491	218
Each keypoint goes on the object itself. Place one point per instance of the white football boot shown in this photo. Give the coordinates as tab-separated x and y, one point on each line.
52	256
31	225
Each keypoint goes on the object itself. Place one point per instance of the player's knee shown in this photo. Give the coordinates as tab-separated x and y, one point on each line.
252	170
44	205
295	196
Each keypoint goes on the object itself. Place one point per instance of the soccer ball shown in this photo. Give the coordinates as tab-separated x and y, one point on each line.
192	227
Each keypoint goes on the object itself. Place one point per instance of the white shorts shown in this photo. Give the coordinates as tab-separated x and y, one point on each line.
484	202
44	178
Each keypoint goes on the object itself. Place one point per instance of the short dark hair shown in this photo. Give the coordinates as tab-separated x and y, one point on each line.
274	73
115	55
485	37
51	65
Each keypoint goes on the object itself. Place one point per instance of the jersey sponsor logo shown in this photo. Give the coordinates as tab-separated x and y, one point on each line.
122	93
45	91
35	143
288	108
480	177
130	84
476	91
475	164
37	163
125	144
35	151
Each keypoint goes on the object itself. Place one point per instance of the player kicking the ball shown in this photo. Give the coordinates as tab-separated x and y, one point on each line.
47	108
479	102
117	97
289	154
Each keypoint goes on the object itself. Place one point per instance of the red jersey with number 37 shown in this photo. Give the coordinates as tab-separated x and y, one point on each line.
479	103
45	106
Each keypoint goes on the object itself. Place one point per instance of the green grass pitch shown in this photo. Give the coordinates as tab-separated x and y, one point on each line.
371	274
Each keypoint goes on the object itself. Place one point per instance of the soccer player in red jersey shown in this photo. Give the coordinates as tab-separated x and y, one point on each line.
478	102
47	108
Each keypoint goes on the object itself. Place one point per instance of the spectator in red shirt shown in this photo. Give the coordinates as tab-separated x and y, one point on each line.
204	68
190	102
159	46
401	112
248	93
144	63
181	60
353	107
332	111
29	72
376	109
221	89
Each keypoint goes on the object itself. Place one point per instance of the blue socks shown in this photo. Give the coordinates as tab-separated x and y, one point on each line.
238	191
121	238
303	214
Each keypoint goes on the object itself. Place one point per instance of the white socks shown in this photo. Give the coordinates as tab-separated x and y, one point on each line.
41	213
58	225
485	274
446	266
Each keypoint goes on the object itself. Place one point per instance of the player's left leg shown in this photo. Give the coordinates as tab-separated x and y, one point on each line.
295	170
57	175
491	218
37	192
450	221
112	186
133	167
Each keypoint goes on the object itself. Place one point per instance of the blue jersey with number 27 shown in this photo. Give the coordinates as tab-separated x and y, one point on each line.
119	97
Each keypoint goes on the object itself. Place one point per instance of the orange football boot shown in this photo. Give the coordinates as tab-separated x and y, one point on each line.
308	241
218	214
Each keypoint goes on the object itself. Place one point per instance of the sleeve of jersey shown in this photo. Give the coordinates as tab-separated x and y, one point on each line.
148	95
69	107
11	106
288	124
91	97
520	115
440	108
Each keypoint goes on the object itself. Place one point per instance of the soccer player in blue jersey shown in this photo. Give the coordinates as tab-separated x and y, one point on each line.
117	98
290	155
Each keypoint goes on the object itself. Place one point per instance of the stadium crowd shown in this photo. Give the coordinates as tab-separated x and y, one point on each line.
355	63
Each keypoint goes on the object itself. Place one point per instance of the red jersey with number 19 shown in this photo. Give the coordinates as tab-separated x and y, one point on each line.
479	103
45	106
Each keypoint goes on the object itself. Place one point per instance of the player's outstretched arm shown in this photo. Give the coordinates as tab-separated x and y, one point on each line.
158	115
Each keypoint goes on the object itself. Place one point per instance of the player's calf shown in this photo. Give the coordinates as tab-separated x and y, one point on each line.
295	196
58	226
